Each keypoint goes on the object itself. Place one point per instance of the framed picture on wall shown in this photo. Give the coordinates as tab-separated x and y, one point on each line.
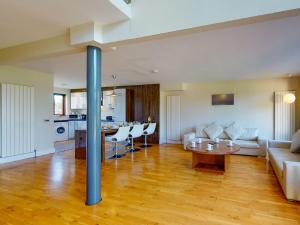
223	99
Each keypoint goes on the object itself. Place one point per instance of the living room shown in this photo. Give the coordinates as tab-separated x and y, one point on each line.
253	106
146	112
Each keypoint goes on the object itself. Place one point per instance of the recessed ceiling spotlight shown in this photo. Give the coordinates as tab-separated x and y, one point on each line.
155	71
114	48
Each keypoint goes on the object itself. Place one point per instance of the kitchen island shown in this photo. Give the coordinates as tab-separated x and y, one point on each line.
80	143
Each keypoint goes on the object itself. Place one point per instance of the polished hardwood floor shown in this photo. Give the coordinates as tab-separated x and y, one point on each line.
157	186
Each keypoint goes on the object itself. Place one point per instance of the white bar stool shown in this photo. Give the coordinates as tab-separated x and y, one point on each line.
121	135
148	131
137	131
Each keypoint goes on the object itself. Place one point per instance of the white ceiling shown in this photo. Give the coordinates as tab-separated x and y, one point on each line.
261	50
25	21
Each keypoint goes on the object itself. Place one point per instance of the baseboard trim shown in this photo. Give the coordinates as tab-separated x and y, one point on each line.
26	156
173	142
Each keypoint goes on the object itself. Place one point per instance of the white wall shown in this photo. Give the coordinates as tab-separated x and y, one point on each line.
114	106
43	84
254	105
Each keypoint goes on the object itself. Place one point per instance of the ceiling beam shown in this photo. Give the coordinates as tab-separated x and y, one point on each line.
55	46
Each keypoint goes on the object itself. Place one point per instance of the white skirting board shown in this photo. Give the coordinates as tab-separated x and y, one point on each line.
174	142
26	156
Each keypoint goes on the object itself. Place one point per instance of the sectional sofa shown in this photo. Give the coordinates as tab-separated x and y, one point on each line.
249	141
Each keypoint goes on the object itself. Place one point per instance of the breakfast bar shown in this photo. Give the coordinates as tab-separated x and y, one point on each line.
80	143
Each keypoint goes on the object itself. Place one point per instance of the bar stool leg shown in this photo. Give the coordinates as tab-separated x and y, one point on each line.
145	145
132	149
115	150
128	142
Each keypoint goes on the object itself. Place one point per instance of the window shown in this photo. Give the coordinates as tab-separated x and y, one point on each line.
78	100
59	104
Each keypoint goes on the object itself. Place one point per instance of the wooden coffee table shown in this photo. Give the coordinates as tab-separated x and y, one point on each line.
216	160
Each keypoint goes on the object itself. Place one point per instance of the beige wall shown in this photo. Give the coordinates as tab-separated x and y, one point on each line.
43	84
254	105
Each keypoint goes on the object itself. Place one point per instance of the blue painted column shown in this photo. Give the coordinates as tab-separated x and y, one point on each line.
93	153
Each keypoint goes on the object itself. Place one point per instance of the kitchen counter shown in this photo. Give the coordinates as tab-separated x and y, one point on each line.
80	143
67	120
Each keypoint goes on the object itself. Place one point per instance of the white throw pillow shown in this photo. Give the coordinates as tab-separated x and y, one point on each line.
200	131
223	135
213	131
234	131
295	146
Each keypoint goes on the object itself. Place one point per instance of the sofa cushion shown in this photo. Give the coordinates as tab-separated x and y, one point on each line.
285	154
249	134
213	131
279	155
277	163
205	139
247	144
234	131
200	131
250	152
295	146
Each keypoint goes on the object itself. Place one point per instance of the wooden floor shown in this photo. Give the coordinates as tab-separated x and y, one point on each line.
156	186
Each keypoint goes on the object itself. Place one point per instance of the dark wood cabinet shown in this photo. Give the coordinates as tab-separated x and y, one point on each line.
129	105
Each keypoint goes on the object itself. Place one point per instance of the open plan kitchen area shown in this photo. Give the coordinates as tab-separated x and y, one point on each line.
121	107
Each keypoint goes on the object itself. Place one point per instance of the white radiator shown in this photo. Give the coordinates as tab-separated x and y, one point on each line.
284	117
17	117
173	119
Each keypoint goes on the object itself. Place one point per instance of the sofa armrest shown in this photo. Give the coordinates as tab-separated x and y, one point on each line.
187	138
263	143
279	144
291	180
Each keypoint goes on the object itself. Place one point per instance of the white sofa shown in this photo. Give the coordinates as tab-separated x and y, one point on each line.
249	142
287	168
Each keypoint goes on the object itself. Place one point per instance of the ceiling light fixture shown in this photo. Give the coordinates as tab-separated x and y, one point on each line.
155	71
114	94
